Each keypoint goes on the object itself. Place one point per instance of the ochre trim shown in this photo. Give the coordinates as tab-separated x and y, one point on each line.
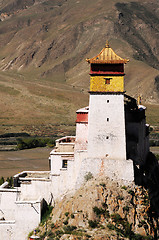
92	92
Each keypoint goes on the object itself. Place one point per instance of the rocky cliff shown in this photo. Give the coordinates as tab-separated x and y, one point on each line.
102	209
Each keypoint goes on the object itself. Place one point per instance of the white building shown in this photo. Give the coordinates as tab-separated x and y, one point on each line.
111	139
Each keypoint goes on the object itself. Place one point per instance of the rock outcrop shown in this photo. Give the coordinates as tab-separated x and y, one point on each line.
102	209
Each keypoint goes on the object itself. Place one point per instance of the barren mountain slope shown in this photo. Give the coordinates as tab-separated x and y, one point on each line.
43	46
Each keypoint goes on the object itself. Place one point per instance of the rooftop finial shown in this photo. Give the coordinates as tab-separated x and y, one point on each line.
107	44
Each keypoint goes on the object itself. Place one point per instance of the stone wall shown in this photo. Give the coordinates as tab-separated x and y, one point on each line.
7	203
81	136
27	218
106	128
7	230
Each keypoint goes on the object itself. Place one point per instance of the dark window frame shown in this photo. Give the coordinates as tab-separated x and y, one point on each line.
107	80
64	163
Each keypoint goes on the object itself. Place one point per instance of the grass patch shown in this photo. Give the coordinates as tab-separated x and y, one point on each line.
69	229
46	213
8	90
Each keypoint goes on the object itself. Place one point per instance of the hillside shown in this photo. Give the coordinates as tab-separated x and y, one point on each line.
101	209
43	46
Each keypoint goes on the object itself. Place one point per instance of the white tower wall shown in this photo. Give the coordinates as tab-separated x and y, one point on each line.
106	129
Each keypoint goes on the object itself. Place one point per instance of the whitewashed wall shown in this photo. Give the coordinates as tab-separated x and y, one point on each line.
114	169
7	203
36	189
81	136
27	218
63	179
106	138
7	230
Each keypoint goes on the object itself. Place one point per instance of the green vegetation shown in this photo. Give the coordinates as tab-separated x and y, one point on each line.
72	215
101	211
30	234
124	187
65	222
93	224
66	214
103	184
88	176
2	180
9	180
131	192
124	228
157	157
11	135
46	213
154	139
69	229
8	90
126	208
27	143
98	211
120	197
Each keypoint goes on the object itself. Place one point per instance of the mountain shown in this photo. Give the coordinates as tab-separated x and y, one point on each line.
43	46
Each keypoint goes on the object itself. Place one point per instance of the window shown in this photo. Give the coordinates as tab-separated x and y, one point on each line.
107	101
64	163
107	137
107	119
107	80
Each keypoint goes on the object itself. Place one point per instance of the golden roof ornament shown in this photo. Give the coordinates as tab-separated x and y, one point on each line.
107	56
107	44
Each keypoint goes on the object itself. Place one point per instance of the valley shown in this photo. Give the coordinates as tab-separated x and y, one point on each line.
44	77
13	162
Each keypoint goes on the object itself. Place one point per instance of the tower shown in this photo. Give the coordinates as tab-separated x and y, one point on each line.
106	128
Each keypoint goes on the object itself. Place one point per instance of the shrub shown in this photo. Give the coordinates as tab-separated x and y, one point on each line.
10	182
93	224
1	180
119	197
50	234
33	142
124	187
98	211
131	192
43	235
69	229
65	222
66	214
72	215
88	176
88	236
59	233
30	234
104	205
52	225
111	226
126	208
46	213
157	157
116	218
103	185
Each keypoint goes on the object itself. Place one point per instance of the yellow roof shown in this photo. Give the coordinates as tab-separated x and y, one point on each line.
107	55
